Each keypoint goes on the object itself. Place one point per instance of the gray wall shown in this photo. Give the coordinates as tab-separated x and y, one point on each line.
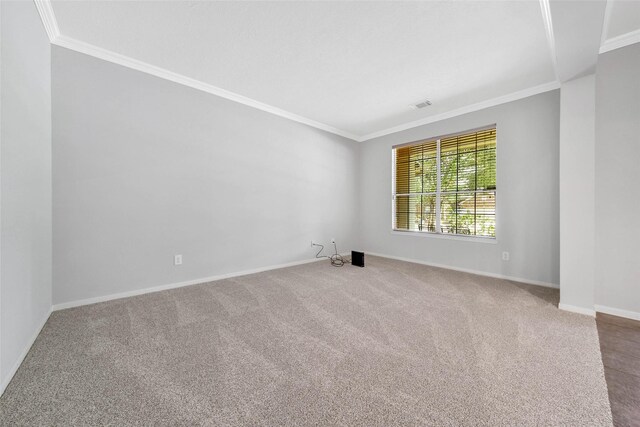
577	198
527	197
25	191
145	169
617	166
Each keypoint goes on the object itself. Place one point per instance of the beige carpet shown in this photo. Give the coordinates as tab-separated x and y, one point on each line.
391	344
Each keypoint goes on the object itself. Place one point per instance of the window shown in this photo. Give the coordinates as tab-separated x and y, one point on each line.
447	185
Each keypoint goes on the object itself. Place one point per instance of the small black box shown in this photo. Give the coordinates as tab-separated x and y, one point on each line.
357	258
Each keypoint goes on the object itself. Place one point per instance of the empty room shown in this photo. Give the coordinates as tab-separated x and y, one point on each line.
353	213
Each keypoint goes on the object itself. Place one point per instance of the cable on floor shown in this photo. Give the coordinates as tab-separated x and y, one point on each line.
336	259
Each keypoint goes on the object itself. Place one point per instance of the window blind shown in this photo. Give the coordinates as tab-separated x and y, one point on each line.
447	185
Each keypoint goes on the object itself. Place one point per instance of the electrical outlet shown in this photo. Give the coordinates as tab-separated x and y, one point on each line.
177	260
505	256
333	240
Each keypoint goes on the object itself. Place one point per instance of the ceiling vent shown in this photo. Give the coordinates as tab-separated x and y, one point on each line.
421	105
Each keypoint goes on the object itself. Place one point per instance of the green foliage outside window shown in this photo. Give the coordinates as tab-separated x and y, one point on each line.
467	185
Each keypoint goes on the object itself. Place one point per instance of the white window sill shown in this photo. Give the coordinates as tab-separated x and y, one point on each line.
473	239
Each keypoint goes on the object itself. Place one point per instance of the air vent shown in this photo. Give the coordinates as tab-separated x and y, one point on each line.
420	105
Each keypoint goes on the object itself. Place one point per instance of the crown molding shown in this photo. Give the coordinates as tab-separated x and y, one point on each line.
545	8
45	10
48	18
51	26
620	41
467	109
606	21
125	61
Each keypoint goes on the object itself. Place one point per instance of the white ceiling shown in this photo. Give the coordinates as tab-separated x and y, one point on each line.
577	30
354	67
624	18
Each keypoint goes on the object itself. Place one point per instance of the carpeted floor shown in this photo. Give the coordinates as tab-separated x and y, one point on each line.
393	343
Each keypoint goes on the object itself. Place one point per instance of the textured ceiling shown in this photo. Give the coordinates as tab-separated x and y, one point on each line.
355	66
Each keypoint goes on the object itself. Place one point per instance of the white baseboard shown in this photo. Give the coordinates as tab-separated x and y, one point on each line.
467	270
634	315
576	309
94	300
16	365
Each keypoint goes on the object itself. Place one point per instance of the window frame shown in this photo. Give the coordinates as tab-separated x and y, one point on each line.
438	233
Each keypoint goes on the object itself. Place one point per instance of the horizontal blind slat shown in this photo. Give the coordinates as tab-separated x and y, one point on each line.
468	184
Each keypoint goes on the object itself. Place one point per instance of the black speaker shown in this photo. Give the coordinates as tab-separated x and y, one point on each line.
357	258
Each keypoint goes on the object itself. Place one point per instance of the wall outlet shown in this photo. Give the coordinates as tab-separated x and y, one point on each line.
177	260
505	256
333	240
